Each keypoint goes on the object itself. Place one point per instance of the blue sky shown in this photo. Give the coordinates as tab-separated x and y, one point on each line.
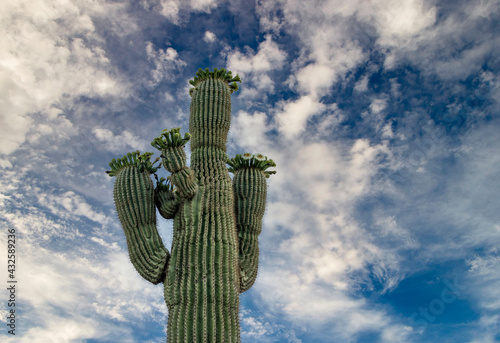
382	117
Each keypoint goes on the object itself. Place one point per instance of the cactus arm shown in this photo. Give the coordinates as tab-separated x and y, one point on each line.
166	200
250	193
171	144
134	200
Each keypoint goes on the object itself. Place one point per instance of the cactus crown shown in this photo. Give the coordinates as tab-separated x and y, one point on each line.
134	159
223	74
170	139
247	160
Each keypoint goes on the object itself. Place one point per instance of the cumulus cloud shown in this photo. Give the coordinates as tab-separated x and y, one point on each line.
268	14
452	48
293	116
328	44
121	142
268	57
361	85
82	289
248	131
324	253
378	105
82	296
330	63
209	37
173	10
332	34
166	61
50	50
398	22
256	66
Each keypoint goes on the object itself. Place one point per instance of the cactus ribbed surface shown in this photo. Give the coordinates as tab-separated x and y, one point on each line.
214	254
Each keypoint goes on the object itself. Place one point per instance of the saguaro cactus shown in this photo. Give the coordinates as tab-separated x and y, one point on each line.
214	254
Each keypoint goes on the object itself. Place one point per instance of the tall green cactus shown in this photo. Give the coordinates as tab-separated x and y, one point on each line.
215	252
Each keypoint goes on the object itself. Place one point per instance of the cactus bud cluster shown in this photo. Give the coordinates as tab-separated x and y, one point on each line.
222	74
143	163
164	184
170	139
247	160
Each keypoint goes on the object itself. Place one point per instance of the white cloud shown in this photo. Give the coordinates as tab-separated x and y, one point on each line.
70	203
249	131
327	48
119	143
76	295
43	59
468	61
173	9
472	219
331	34
72	288
320	308
361	85
394	21
454	47
331	61
375	118
267	12
61	329
485	269
112	246
268	57
209	37
399	21
315	253
292	117
315	78
263	329
170	9
324	253
378	105
481	284
203	5
254	66
166	62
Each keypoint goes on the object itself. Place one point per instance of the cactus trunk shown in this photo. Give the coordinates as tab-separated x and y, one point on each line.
202	289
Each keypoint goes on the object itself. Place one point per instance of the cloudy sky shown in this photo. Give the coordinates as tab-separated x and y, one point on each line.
382	117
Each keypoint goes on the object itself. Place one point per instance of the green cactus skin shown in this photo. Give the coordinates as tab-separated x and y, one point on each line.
134	201
214	253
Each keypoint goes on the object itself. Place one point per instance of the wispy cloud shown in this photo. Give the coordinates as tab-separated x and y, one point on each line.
381	116
256	66
78	275
49	52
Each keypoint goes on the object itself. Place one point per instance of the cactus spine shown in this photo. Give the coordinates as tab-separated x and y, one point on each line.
214	253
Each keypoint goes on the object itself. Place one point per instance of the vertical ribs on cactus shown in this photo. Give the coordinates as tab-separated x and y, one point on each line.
215	253
134	201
